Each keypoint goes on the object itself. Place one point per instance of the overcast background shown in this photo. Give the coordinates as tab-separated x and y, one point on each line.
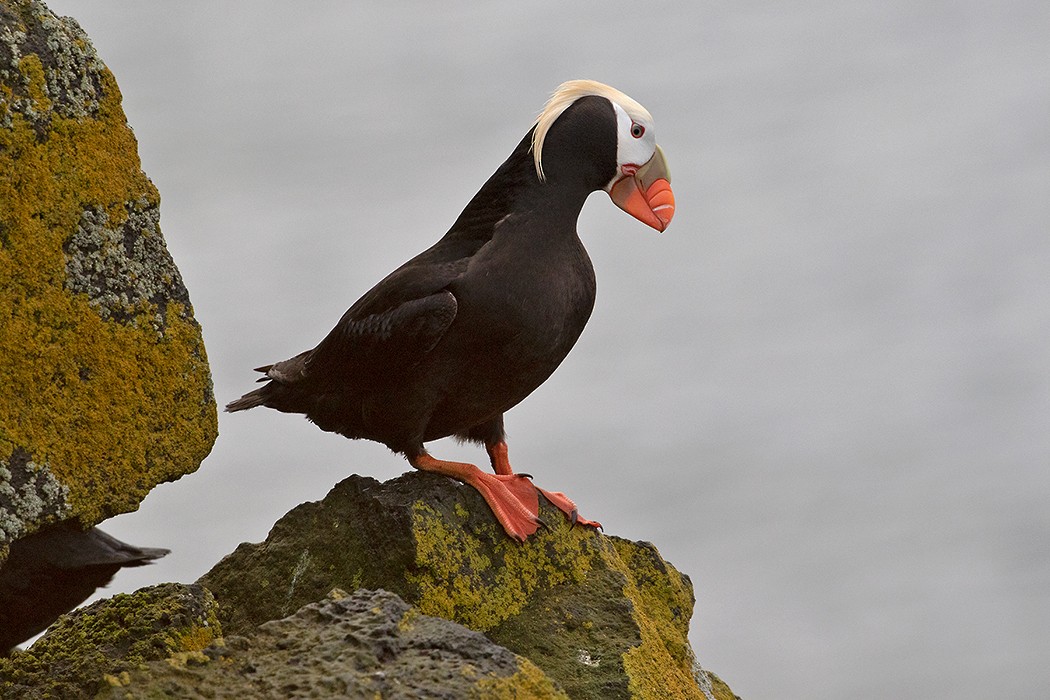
824	392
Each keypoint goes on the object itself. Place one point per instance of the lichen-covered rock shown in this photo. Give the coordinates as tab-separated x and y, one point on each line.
55	569
368	645
602	616
105	640
106	387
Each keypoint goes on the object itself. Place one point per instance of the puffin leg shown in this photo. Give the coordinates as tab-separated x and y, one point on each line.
498	455
511	497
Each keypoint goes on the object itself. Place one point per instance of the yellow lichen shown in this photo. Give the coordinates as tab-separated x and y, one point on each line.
32	69
408	620
529	683
660	668
458	582
117	680
196	638
110	408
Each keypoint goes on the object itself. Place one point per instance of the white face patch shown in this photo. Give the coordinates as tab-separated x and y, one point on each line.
632	148
572	90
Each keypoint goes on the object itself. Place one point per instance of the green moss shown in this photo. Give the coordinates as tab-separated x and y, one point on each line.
112	403
111	637
458	581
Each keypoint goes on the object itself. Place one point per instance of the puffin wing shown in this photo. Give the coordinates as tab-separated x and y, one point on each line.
390	328
386	331
377	343
383	341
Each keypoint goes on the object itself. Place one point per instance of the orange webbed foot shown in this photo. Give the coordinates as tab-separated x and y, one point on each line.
498	455
513	500
511	497
563	503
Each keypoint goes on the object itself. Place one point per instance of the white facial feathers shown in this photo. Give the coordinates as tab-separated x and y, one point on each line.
634	145
630	148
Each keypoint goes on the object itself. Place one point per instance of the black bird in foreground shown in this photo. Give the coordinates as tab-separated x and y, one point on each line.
55	569
462	332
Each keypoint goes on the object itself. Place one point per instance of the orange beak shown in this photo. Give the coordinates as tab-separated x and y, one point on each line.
646	195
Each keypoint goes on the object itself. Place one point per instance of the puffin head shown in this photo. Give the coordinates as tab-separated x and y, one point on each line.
598	135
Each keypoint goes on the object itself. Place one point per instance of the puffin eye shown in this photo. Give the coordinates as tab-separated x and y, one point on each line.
637	130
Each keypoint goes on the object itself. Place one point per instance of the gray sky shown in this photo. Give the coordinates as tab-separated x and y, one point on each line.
824	392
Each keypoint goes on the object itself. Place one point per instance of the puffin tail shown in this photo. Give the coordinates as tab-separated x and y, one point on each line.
259	397
280	391
249	400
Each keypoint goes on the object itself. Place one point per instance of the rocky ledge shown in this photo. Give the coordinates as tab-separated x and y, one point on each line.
445	605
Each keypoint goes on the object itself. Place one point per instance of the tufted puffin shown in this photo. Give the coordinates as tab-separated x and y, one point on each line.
461	333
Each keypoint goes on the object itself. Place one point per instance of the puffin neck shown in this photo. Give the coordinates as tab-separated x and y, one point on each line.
497	197
515	188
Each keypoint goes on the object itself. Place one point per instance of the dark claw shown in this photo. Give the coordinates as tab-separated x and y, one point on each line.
573	517
541	523
527	476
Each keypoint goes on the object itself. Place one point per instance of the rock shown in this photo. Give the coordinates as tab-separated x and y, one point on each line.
368	645
570	613
602	616
165	641
107	390
55	569
106	640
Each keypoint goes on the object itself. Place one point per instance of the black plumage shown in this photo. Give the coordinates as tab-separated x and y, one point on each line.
465	330
55	569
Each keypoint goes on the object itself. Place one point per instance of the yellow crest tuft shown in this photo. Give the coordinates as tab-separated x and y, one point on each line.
567	93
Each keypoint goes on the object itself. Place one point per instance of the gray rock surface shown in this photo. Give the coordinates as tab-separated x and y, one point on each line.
367	645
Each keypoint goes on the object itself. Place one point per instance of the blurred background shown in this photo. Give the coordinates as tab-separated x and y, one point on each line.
823	393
